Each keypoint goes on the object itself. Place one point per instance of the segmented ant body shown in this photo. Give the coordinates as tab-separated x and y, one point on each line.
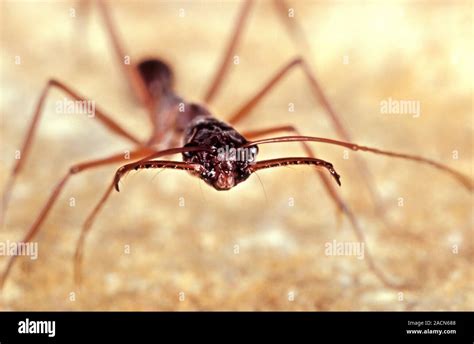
200	130
211	149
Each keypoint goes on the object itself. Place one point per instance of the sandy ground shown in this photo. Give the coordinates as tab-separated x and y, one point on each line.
247	248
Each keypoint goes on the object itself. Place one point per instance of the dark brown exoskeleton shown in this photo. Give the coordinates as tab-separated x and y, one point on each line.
211	149
222	157
224	170
220	170
214	151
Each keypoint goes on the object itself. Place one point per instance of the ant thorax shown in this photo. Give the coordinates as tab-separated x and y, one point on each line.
227	162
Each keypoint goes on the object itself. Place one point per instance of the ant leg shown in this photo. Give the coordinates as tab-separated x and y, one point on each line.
130	71
85	229
297	33
83	14
95	211
318	93
331	190
240	23
104	119
292	25
75	169
226	58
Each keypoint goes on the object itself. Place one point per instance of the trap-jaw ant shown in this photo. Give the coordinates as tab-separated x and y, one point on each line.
209	136
178	127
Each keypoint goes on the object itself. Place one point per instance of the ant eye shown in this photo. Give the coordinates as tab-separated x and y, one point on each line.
209	174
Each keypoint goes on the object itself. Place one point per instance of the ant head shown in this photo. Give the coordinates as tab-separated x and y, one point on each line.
232	166
227	161
225	167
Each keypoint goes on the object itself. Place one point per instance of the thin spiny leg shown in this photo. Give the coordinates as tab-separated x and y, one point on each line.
318	93
245	110
340	203
230	50
84	231
103	118
131	73
35	227
86	227
81	24
355	225
297	33
292	25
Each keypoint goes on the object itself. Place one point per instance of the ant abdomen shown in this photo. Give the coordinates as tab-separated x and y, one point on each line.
157	75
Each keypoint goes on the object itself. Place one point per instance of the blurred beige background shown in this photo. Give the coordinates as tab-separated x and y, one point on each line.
183	257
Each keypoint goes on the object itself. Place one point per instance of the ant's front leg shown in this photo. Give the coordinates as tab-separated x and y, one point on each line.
98	114
73	170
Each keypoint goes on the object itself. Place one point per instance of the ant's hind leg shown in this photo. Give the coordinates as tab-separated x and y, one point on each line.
246	109
336	198
130	70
